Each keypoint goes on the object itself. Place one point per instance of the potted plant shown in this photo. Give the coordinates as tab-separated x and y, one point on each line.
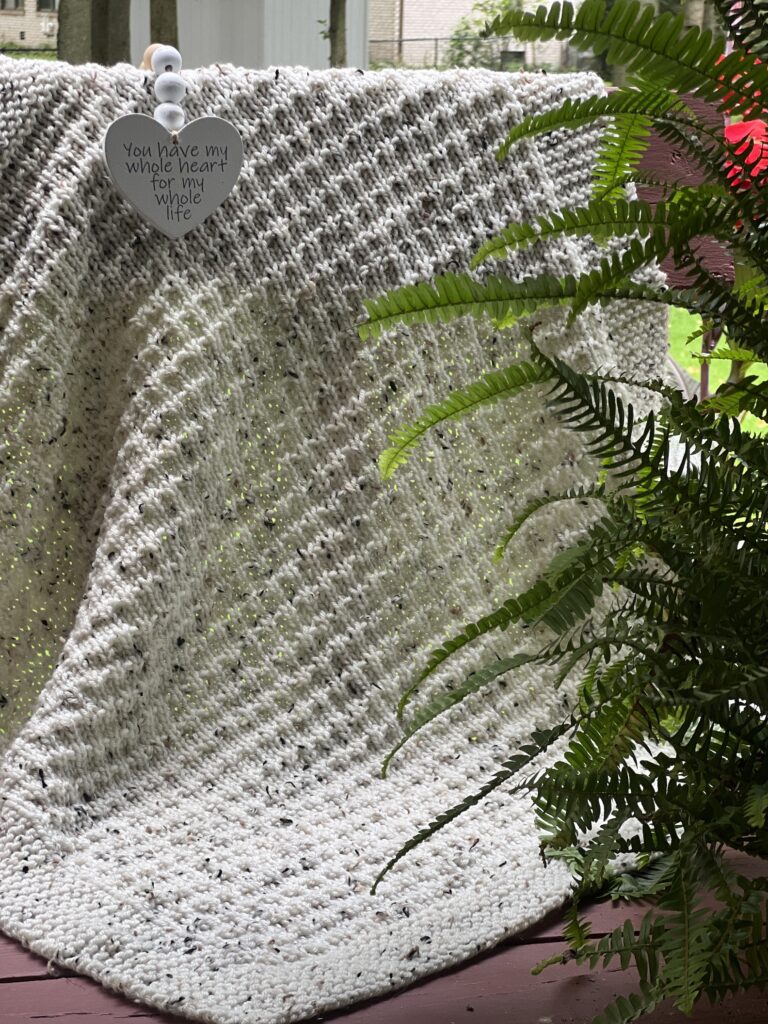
660	607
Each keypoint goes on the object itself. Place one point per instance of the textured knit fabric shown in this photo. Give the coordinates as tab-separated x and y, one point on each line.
217	599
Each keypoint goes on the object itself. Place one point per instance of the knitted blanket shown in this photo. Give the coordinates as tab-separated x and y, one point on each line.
210	601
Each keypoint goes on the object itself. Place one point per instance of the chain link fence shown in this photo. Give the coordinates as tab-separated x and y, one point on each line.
500	53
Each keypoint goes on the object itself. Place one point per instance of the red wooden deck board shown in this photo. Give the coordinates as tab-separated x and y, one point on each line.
496	988
18	964
78	1000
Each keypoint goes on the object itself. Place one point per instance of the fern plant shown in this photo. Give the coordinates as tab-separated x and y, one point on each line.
661	607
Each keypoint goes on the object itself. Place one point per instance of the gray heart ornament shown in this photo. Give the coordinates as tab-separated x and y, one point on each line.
174	180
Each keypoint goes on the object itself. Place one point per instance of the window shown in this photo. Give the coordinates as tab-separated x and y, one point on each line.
47	5
11	5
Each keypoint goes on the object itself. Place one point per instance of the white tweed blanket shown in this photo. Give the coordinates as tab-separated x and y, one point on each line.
210	602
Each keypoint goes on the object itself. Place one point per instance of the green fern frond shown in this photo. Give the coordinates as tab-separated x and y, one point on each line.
588	405
580	494
542	739
719	435
440	822
657	49
534	600
684	940
621	149
615	271
756	805
683	219
624	944
574	114
748	395
657	837
670	726
625	1009
747	24
740	940
493	386
559	602
576	929
669	189
646	884
474	682
606	739
718	876
734	355
574	595
597	681
753	289
658	592
568	803
600	219
451	296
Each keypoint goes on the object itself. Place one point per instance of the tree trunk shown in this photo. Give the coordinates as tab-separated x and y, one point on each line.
164	22
111	32
94	30
119	32
617	73
711	20
693	13
337	31
74	38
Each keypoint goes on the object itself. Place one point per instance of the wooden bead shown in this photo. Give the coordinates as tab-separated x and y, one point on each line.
166	58
170	87
170	116
146	60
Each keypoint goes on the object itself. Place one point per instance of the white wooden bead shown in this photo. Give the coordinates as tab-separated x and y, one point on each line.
166	58
170	87
170	116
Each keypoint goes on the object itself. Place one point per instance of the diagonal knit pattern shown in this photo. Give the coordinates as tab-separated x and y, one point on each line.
210	602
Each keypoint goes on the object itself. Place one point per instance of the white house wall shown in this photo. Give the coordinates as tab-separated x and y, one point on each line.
293	33
256	33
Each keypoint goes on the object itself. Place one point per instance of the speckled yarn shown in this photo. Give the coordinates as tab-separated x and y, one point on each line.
215	596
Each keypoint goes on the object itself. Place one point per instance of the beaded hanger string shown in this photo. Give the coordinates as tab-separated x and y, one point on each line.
170	88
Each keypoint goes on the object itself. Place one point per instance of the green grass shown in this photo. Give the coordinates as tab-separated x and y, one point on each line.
23	52
681	325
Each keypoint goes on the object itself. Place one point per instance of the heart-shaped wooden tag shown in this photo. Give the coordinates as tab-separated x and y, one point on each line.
174	180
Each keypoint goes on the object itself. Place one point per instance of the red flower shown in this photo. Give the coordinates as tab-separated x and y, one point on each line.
751	139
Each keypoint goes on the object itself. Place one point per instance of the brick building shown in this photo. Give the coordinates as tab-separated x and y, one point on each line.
415	33
28	23
416	22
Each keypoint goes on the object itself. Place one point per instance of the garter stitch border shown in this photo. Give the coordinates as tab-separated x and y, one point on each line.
216	598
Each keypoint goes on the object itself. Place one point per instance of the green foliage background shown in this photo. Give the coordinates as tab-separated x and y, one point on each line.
681	326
